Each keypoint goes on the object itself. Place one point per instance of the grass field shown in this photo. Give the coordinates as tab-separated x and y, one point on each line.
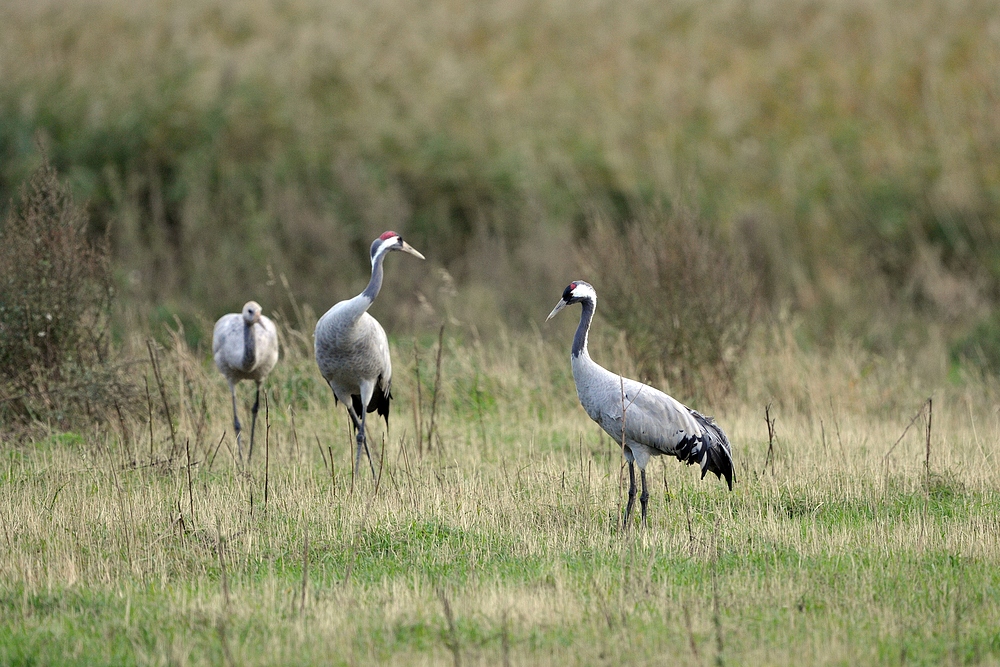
846	148
499	542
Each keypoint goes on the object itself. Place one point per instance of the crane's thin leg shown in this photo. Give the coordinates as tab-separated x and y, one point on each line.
253	422
236	424
360	439
365	442
631	493
359	434
644	498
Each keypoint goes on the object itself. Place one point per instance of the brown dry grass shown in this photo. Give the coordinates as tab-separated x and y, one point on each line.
831	552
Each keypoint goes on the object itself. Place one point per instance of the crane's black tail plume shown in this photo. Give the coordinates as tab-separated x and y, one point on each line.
379	403
714	453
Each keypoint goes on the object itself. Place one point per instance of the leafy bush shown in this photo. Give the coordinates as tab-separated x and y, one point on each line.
686	300
980	347
55	303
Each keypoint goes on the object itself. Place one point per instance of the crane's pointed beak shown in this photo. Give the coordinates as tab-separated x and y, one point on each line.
406	247
559	306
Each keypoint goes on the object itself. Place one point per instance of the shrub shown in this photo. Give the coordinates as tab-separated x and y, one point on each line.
55	304
980	347
686	300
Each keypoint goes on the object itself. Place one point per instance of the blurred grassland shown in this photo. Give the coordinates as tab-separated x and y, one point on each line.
851	145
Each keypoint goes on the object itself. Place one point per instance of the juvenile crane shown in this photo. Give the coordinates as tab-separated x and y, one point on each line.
654	423
352	351
245	347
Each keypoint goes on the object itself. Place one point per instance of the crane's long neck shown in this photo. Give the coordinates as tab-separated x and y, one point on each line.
375	284
249	347
359	305
580	339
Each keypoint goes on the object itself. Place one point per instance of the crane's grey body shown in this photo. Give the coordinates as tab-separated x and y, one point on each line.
353	353
245	347
650	422
352	350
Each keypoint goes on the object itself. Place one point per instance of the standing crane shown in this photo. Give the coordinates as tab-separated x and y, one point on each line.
245	347
352	351
649	422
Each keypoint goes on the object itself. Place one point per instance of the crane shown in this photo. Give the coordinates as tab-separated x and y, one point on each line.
650	422
352	351
245	347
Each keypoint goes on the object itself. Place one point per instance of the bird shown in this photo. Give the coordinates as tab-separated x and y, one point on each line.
352	350
245	347
652	423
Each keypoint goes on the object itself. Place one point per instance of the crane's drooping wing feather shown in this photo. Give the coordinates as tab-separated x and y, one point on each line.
656	419
379	403
719	455
660	422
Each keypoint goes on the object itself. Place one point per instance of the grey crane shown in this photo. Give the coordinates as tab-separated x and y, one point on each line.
654	423
352	351
245	347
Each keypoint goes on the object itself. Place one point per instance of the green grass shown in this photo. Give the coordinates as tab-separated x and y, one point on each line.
831	554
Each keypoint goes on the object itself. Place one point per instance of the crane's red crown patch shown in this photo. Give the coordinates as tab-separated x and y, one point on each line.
387	235
572	286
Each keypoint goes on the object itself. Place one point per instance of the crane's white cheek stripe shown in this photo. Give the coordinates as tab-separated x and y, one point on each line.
383	248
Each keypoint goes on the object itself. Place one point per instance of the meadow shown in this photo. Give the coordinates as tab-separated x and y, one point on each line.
497	539
790	211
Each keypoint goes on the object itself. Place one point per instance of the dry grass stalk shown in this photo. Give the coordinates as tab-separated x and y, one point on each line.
267	449
305	569
434	397
418	405
187	469
927	457
150	345
452	637
216	451
769	458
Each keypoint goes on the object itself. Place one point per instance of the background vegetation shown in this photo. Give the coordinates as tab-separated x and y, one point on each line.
56	297
850	146
787	208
